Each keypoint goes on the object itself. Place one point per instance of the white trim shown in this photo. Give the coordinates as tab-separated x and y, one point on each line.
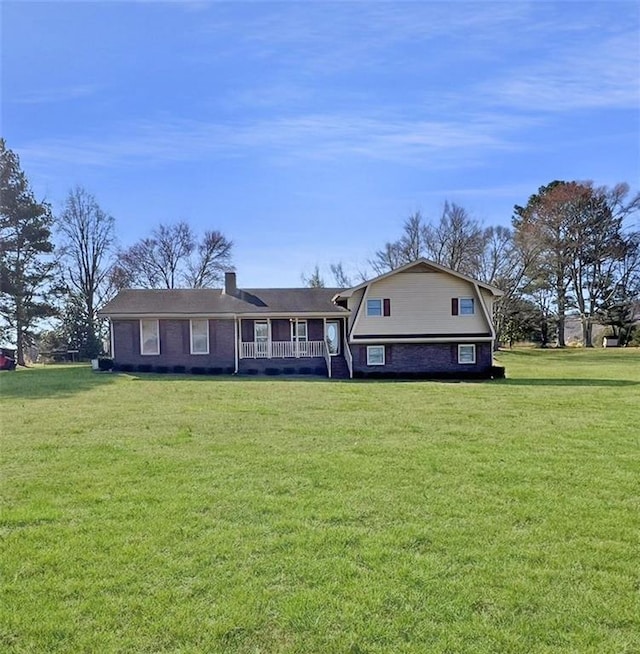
227	316
436	339
471	345
149	354
112	339
191	321
376	347
485	311
363	303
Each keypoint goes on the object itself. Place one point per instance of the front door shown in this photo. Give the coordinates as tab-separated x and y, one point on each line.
332	336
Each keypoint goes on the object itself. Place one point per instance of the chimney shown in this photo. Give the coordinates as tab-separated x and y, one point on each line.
230	287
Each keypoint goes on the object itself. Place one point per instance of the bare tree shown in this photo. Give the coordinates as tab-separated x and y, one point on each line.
457	241
212	258
87	235
340	277
409	247
314	280
389	258
172	257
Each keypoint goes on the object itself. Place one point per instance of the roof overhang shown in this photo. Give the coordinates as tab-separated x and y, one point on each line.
224	316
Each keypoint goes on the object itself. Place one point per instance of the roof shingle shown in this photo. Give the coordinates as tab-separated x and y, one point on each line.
205	301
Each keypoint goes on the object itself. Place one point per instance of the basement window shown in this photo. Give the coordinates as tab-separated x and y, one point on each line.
466	354
375	355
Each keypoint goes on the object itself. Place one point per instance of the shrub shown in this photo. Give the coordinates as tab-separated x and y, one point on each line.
163	370
497	372
179	369
144	367
104	363
198	370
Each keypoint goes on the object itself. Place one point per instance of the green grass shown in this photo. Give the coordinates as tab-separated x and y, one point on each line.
147	513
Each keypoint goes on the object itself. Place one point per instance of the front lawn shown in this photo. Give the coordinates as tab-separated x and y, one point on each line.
165	513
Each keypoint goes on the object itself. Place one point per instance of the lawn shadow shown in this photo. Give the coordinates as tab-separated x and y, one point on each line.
58	380
560	381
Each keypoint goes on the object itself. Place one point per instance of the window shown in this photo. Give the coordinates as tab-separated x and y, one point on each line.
301	335
374	307
464	306
149	337
199	336
375	355
466	354
378	307
467	306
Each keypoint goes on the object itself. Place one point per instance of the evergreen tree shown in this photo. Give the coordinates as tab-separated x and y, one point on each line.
26	272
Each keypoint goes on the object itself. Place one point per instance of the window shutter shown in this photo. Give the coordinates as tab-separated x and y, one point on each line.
387	354
454	306
386	307
363	355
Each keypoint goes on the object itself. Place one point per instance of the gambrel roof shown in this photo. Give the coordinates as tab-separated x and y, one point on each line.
421	265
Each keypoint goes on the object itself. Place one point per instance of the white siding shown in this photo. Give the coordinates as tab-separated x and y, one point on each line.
352	304
420	304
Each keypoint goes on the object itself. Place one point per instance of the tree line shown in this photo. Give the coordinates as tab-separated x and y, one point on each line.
62	268
571	249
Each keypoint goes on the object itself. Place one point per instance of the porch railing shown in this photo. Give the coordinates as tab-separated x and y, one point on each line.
327	357
282	349
348	357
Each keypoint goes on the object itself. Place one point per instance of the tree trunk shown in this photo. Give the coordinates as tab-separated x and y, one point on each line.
561	320
587	331
20	343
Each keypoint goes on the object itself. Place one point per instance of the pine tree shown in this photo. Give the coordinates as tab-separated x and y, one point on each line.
26	272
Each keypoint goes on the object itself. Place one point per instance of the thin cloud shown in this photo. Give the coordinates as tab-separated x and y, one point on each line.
603	75
55	95
313	136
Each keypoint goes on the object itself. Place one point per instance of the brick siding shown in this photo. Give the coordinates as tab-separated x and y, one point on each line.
174	345
423	360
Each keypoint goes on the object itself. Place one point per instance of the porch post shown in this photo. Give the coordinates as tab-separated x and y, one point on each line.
269	337
236	339
295	335
112	343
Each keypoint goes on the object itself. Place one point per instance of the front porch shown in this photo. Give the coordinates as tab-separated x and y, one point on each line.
290	345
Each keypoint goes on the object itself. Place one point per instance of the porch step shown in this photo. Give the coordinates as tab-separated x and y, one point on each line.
339	368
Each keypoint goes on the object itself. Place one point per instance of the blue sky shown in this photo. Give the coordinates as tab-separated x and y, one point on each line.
308	132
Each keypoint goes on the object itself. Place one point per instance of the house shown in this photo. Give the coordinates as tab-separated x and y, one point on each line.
420	320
